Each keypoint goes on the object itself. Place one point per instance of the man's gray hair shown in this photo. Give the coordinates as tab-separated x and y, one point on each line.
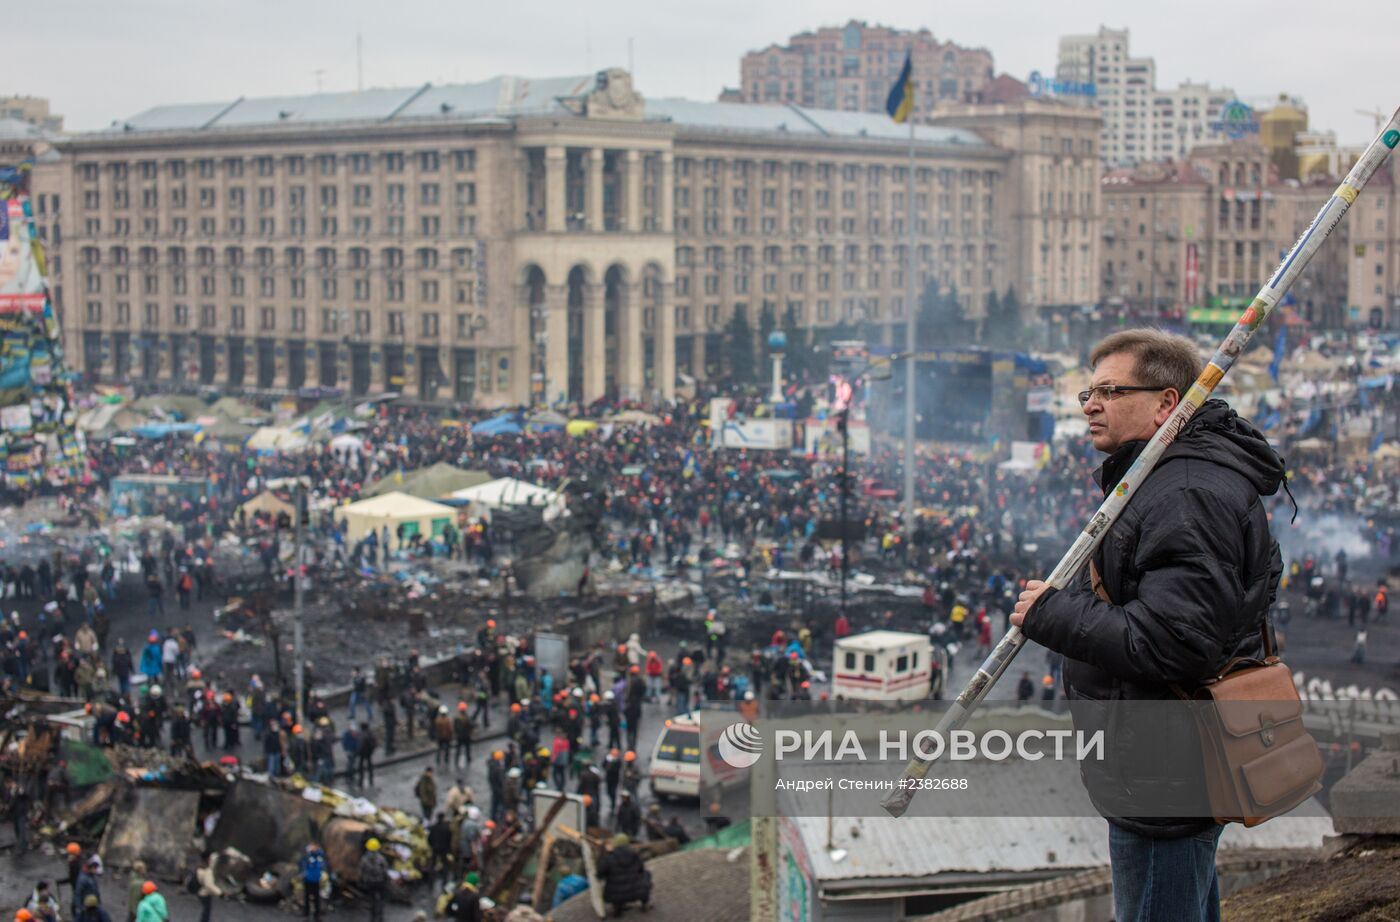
1161	359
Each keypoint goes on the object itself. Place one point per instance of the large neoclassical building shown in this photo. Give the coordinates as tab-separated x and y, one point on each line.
518	240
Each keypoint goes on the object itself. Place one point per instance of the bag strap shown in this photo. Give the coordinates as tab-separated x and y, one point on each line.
1266	626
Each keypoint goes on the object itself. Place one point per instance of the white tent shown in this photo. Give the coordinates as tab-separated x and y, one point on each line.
418	516
507	491
275	439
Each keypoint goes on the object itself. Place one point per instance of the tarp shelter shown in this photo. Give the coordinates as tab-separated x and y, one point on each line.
507	491
162	406
418	516
548	421
147	494
635	418
162	430
269	503
498	425
274	439
434	482
224	428
154	825
346	442
101	419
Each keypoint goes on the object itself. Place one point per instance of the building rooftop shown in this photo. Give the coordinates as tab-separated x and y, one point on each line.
880	640
15	129
505	98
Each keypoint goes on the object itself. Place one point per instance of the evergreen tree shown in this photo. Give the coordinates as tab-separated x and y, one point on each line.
799	352
767	323
941	320
738	336
1009	321
991	332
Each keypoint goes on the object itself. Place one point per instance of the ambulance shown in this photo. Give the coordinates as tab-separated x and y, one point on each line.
882	666
681	760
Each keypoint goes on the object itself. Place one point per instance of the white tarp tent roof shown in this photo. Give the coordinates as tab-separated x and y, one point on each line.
274	438
507	491
391	509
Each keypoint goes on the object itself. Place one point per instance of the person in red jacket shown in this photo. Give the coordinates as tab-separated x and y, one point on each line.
655	669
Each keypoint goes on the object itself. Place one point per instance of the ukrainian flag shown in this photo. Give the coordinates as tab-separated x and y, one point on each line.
900	104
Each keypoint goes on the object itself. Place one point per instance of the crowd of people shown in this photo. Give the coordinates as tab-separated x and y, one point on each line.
670	507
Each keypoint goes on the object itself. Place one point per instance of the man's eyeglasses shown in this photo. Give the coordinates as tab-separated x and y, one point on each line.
1106	392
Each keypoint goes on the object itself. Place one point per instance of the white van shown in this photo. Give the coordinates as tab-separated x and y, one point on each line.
681	760
882	666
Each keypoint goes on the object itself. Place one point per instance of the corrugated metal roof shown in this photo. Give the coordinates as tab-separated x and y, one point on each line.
924	846
1006	838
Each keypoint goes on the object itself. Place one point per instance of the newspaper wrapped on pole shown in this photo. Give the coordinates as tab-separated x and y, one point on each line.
1088	541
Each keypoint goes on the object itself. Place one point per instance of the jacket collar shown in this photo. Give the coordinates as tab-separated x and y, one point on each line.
1116	464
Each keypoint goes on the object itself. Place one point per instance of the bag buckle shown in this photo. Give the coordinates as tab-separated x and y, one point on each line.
1266	730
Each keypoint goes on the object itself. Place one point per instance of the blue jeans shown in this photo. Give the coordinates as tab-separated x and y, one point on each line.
1164	880
356	698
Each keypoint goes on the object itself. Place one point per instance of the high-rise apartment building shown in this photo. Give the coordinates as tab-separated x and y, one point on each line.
1142	123
852	68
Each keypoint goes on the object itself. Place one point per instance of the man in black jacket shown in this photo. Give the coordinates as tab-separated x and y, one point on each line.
1191	570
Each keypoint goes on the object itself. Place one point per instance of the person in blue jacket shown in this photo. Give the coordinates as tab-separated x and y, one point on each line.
312	867
150	658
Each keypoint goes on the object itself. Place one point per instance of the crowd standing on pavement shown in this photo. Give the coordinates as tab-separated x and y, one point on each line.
670	507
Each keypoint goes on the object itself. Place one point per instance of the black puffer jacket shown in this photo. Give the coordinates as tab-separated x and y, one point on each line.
625	877
1193	569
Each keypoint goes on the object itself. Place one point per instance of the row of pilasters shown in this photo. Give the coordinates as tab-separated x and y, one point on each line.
555	217
592	348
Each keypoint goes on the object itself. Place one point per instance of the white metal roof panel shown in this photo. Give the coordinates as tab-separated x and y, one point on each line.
175	118
500	96
369	105
926	846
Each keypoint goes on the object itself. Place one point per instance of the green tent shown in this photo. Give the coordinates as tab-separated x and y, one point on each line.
435	482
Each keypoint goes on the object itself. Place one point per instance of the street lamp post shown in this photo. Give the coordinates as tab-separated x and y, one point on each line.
879	370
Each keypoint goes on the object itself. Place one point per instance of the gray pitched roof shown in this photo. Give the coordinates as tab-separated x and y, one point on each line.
515	97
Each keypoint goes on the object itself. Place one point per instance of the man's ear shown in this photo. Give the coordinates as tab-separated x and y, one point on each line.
1171	397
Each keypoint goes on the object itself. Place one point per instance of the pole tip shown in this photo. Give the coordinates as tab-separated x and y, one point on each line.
897	802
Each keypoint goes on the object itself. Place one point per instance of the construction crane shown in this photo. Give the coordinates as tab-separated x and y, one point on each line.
1377	115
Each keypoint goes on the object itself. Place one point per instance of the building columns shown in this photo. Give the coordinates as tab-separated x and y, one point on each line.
664	348
595	356
556	339
593	203
521	198
632	197
631	374
666	192
554	161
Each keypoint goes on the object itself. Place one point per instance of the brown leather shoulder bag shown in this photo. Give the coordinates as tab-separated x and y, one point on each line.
1259	759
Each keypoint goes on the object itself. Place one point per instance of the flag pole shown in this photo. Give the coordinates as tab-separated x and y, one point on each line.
1088	541
910	332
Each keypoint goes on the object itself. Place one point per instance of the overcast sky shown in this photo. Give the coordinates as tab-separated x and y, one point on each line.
98	60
